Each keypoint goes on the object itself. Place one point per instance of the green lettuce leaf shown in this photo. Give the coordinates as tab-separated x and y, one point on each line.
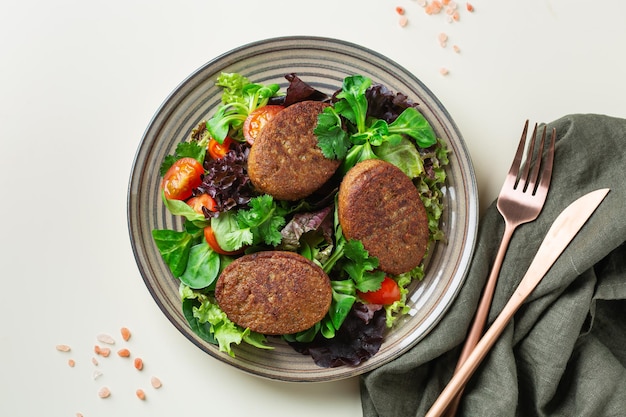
228	234
174	248
203	266
404	155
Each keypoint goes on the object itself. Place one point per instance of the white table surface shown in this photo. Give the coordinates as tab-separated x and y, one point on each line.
79	82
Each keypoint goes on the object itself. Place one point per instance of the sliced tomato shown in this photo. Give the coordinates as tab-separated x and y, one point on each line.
182	177
202	200
257	119
388	293
218	150
212	241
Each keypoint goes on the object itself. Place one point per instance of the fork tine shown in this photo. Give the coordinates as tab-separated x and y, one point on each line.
522	180
517	160
546	172
531	183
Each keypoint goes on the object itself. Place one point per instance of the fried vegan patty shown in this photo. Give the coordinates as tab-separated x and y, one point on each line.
379	205
285	160
274	292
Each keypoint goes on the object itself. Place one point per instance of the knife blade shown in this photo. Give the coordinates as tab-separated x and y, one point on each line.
561	233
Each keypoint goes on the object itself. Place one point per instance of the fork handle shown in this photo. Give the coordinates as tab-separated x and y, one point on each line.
480	318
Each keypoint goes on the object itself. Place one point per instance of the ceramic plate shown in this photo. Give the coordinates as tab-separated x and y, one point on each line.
322	63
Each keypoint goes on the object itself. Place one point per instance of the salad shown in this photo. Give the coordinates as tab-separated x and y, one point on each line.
206	182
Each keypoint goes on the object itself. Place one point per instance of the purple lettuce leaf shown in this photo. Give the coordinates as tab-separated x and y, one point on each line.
358	339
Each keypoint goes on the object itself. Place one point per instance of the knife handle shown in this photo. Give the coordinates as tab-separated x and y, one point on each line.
464	373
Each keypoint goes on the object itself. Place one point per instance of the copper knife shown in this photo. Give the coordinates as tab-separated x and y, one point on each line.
561	233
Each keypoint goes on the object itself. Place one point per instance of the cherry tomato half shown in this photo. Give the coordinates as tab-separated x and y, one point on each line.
388	293
257	119
218	150
212	241
202	200
182	177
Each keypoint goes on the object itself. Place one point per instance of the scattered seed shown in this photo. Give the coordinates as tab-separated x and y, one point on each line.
124	353
125	333
71	363
469	7
445	2
444	71
456	48
400	10
104	351
140	394
79	414
94	361
104	392
63	348
138	364
403	21
456	16
433	7
155	382
105	338
96	375
443	39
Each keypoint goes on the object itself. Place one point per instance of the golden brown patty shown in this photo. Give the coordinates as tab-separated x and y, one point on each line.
285	160
274	292
380	206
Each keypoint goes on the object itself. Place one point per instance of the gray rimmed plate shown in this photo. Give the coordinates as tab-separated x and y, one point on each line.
323	63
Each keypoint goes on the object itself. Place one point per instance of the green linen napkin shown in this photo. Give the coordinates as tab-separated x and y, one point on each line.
564	353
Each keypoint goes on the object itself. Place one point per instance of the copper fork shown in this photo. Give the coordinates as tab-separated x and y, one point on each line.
520	201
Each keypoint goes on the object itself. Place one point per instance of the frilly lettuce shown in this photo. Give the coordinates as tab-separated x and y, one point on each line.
239	97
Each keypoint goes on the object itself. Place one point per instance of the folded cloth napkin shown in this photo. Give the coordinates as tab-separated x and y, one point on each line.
564	353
